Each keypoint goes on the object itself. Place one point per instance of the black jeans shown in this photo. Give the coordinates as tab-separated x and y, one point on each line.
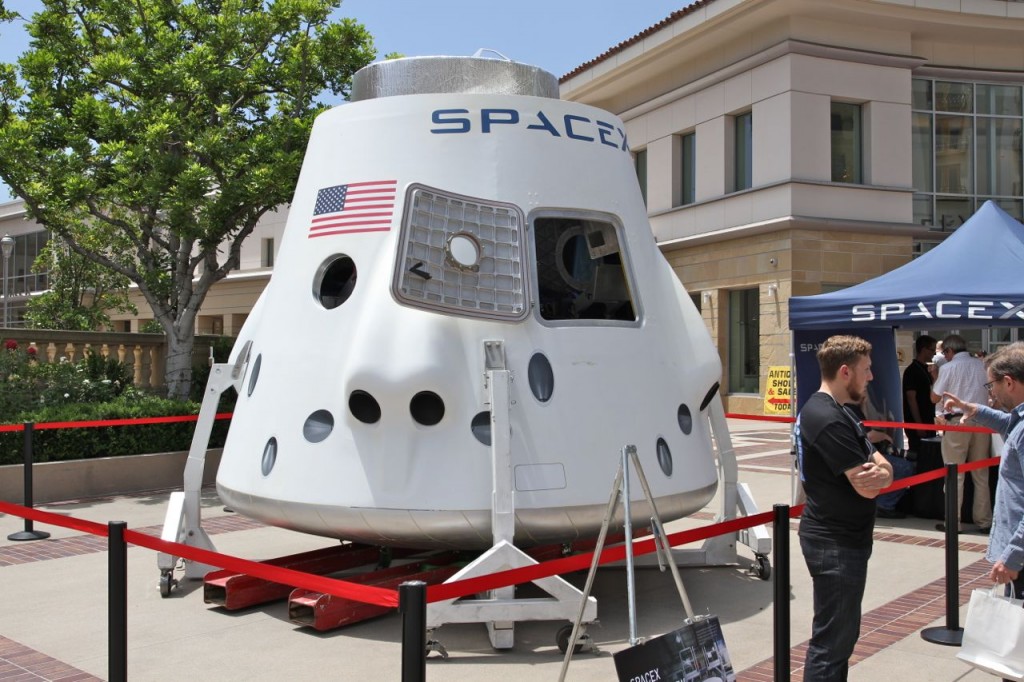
839	575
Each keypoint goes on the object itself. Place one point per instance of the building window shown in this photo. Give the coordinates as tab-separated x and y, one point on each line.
210	324
22	280
966	150
846	143
688	169
267	258
640	162
744	341
743	158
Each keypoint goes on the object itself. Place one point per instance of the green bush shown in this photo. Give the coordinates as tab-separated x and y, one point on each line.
93	389
107	441
26	383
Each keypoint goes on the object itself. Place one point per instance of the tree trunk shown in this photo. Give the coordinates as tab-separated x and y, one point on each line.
178	368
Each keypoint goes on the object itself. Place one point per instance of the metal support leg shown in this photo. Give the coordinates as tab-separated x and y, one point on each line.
499	609
620	489
503	516
736	501
183	520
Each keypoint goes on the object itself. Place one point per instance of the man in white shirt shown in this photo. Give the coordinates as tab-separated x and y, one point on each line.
964	375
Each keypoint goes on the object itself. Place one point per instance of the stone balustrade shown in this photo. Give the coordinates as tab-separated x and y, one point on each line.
144	353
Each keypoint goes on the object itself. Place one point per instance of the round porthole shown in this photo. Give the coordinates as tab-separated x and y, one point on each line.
364	407
318	426
685	419
334	281
462	251
255	374
427	408
269	456
709	396
664	457
481	427
541	377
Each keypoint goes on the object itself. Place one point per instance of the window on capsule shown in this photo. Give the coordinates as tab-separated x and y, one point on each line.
461	255
582	272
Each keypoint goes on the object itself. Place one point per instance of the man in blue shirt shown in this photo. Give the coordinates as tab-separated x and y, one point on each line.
1005	370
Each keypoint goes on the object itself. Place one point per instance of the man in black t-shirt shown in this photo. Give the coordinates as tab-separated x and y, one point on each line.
917	391
842	475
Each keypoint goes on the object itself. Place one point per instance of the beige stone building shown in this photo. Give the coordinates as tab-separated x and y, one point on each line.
793	147
784	147
226	307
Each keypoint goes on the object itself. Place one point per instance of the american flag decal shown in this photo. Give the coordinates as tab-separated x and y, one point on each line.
356	207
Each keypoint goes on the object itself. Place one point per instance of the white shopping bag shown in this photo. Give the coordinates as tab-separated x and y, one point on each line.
994	634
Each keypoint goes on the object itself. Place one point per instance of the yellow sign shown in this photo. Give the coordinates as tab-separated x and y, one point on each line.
778	391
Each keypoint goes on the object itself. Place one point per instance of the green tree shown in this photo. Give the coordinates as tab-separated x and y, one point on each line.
152	135
81	292
7	74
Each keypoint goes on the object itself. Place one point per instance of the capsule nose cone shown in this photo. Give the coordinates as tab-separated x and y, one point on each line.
410	376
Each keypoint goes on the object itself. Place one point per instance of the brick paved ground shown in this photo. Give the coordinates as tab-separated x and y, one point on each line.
761	451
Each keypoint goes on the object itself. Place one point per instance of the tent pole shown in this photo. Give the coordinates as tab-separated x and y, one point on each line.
796	492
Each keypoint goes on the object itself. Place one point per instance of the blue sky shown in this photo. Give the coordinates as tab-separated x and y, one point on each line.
556	35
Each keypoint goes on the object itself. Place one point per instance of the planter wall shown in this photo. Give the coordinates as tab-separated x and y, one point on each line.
100	476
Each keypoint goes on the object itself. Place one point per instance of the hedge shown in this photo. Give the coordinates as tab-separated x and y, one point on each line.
108	441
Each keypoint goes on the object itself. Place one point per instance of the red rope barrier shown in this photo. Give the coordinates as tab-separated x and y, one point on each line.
446	591
980	464
383	596
61	520
869	424
228	415
338	588
760	417
926	427
125	422
366	594
577	562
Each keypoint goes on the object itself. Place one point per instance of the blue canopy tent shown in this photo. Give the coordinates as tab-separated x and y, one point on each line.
975	278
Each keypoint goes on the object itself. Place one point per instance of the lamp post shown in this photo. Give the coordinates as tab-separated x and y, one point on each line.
7	245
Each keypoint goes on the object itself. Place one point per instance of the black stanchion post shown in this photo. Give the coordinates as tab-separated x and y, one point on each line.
29	533
117	602
952	634
412	604
780	551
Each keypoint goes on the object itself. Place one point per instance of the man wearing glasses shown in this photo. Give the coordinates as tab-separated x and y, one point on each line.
963	375
1005	373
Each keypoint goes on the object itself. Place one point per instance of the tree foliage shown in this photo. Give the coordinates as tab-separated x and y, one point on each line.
7	73
152	135
81	293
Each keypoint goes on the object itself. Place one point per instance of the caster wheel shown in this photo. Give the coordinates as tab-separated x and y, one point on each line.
562	640
167	583
762	568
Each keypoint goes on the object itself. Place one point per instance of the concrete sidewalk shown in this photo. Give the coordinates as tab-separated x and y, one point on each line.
53	619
